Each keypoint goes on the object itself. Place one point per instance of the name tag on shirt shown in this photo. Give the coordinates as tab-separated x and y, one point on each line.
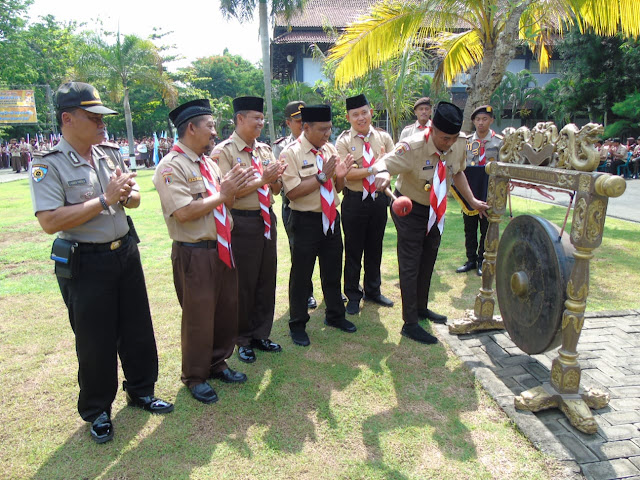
428	167
308	166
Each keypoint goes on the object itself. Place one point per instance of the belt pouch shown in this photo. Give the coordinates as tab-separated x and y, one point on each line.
62	254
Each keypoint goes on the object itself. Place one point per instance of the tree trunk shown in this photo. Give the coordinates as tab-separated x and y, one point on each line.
127	119
266	65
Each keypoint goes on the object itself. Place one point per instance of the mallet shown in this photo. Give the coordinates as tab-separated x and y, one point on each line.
401	206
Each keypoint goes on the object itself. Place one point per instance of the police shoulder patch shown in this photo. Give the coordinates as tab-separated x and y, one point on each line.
38	172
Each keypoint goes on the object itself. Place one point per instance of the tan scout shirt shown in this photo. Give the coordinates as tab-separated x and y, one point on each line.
179	182
349	143
226	154
413	129
62	177
492	145
415	161
301	163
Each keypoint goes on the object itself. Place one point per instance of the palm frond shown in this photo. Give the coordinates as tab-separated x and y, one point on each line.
607	17
461	52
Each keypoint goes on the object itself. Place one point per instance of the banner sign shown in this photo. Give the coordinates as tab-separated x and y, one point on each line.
17	106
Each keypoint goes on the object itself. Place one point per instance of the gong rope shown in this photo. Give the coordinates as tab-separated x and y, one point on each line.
544	191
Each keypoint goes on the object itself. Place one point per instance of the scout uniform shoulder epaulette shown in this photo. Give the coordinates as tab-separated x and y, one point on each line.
342	134
110	145
279	140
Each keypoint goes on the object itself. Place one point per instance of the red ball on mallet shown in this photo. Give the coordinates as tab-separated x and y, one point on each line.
401	206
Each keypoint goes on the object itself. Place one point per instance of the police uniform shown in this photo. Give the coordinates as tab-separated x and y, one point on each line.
363	219
255	254
479	183
309	239
415	160
206	288
107	296
278	146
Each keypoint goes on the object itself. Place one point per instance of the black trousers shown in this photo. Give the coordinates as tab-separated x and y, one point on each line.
363	223
286	217
475	251
110	317
417	253
256	262
309	242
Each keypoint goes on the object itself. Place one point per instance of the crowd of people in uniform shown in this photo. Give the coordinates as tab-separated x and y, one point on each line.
615	154
217	203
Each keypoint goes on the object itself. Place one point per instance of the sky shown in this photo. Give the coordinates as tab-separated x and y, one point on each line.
199	30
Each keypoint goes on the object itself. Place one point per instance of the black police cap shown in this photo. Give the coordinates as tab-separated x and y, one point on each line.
316	113
81	95
486	109
241	104
294	109
447	118
188	110
356	102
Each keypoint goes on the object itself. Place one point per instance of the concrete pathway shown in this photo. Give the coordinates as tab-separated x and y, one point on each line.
609	350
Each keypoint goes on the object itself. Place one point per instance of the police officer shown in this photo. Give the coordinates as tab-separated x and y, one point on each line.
422	110
482	147
313	178
427	163
80	189
195	199
254	237
293	118
364	211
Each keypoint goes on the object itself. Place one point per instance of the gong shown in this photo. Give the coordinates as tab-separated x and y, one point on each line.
532	270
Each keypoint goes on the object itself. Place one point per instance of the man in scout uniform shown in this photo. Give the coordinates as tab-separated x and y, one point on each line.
195	199
422	110
80	189
482	147
254	236
313	178
293	118
364	210
426	164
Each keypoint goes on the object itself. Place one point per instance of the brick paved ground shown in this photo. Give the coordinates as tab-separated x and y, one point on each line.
609	351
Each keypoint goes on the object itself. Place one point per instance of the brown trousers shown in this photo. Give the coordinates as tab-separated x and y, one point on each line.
208	292
256	260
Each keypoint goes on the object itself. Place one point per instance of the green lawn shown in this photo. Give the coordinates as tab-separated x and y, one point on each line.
372	405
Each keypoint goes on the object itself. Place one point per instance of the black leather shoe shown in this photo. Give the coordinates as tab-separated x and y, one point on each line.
479	272
417	333
342	324
300	338
353	307
311	302
266	345
246	354
435	317
344	298
230	376
102	428
380	300
150	404
204	393
467	267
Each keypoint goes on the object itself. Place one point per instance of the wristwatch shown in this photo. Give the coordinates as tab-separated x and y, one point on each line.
370	169
321	177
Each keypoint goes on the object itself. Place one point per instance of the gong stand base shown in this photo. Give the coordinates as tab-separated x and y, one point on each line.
472	323
576	406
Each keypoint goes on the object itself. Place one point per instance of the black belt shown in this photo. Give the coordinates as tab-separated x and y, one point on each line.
103	247
202	244
247	213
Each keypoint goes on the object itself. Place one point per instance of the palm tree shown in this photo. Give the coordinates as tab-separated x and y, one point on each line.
474	36
130	60
243	10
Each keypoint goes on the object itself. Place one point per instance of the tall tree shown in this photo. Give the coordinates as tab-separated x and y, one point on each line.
475	36
244	10
121	65
226	75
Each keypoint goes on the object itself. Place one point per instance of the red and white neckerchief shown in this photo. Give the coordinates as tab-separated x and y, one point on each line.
263	194
223	221
438	194
422	127
481	154
368	182
327	197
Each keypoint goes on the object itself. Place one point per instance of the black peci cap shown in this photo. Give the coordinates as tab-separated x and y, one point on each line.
316	113
447	118
255	104
188	110
293	109
81	95
486	109
356	102
422	101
